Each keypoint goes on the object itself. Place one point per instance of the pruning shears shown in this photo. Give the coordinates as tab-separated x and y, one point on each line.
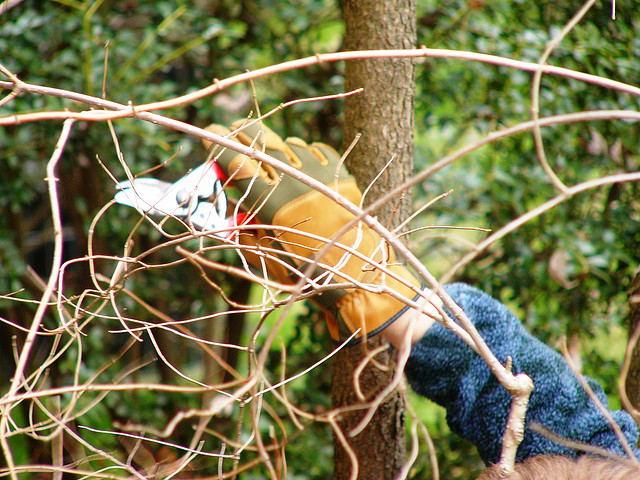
197	198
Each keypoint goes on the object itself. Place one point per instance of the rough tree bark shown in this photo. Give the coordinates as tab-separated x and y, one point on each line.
633	378
383	114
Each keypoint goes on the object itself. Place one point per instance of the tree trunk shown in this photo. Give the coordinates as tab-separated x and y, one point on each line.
383	115
633	378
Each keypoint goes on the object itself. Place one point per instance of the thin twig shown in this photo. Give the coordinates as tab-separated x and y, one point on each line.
218	85
46	296
598	403
535	94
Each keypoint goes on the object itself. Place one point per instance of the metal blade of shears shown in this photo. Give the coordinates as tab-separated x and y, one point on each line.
198	197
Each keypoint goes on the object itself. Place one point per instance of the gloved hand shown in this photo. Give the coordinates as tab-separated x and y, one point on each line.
282	201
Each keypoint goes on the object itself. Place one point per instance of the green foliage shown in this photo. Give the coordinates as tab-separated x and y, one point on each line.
504	179
163	49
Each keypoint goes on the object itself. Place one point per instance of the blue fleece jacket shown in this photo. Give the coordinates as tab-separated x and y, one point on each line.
444	369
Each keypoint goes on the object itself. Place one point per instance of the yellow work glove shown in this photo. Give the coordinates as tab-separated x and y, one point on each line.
279	200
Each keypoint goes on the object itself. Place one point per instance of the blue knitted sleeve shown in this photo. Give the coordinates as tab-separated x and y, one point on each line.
444	369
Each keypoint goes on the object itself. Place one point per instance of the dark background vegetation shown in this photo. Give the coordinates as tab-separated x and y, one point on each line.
565	273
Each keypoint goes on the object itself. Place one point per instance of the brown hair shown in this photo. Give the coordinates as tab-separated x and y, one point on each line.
554	467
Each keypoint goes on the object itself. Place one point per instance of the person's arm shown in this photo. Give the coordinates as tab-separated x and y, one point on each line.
443	368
